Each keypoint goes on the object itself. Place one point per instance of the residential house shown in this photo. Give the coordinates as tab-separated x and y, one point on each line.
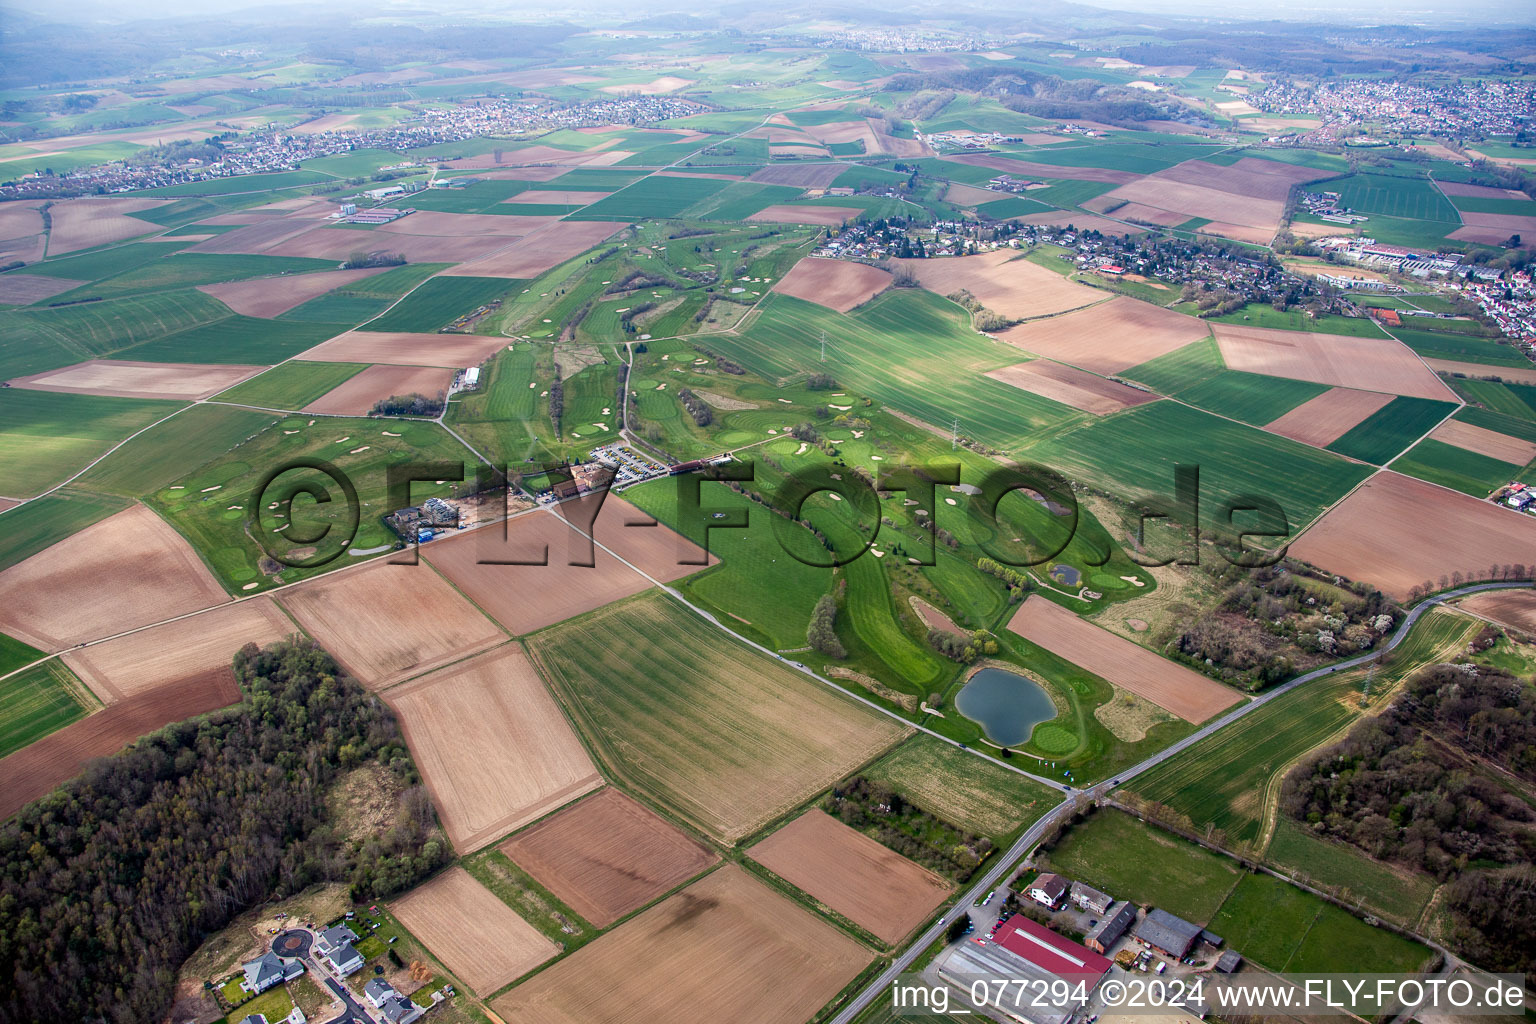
267	971
378	992
399	1010
1047	889
1089	898
336	946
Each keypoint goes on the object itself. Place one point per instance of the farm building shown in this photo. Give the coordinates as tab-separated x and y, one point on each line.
1108	931
1048	889
1229	962
1032	953
1088	898
1169	935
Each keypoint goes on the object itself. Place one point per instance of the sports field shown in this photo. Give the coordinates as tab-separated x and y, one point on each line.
607	856
492	746
721	735
725	948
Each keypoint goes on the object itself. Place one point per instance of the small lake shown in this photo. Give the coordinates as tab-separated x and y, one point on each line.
1007	705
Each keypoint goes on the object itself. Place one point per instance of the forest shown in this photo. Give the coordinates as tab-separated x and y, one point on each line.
110	882
1441	782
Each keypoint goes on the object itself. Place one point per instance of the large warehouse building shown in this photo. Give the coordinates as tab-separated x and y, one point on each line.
1031	952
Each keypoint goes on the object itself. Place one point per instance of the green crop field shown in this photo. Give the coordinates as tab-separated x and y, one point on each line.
38	701
155	458
1132	861
970	792
1381	436
32	340
1392	892
1229	781
1183	368
1513	400
1133	454
180	270
1285	928
1513	207
1462	348
211	507
1138	159
38	524
941	360
292	385
740	200
1391	196
93	266
718	733
47	436
1249	397
1498	422
14	654
438	301
1264	315
365	299
1457	468
652	197
240	184
234	339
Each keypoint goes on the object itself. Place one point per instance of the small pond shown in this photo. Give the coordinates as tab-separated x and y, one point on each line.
1006	705
1066	575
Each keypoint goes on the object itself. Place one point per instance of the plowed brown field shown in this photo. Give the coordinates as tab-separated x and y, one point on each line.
126	571
1071	386
1323	420
607	856
533	254
1109	337
200	648
1515	450
874	887
357	395
475	935
836	284
180	381
39	767
1513	608
273	296
827	216
1395	532
405	349
98	220
1367	364
493	747
727	948
386	622
1004	283
1169	685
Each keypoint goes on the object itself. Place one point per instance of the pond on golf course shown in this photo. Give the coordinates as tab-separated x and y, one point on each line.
1005	704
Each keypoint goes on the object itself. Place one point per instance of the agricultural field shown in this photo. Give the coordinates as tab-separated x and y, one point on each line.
1381	436
607	856
874	887
1132	455
1391	533
1117	854
726	948
968	791
436	302
1464	348
1454	466
492	746
837	284
358	394
1516	609
198	648
1004	282
1173	687
1323	420
475	935
652	198
70	593
386	622
47	437
1109	337
127	379
160	454
40	701
721	735
1367	364
292	385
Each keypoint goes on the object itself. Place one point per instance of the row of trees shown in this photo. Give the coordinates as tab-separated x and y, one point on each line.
110	882
821	633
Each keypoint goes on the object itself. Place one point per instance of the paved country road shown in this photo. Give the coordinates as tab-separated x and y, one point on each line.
1005	863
